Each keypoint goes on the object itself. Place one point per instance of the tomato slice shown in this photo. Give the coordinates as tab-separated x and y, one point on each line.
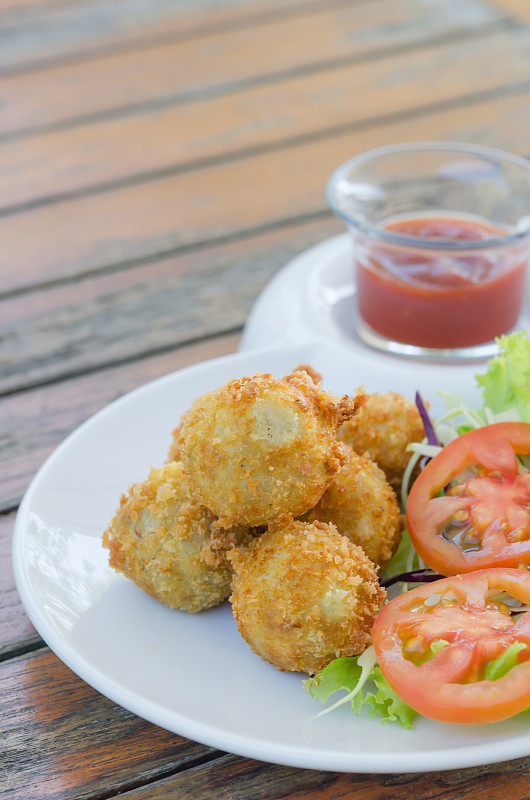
434	644
483	518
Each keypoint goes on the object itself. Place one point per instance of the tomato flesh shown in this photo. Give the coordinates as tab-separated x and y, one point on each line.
472	627
482	519
491	506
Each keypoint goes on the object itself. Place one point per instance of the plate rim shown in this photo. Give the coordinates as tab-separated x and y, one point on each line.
302	756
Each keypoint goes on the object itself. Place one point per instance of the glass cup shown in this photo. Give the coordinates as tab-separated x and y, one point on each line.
441	244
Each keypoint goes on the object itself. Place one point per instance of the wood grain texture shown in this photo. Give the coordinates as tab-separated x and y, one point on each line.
518	9
234	777
16	630
132	223
37	169
160	161
66	330
34	423
62	739
184	69
34	33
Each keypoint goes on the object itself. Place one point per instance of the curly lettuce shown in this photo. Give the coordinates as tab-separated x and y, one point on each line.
506	383
359	677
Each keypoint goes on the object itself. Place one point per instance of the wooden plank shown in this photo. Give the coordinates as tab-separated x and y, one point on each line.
61	739
16	630
180	70
32	424
233	778
39	32
52	750
113	318
69	161
135	222
17	6
518	9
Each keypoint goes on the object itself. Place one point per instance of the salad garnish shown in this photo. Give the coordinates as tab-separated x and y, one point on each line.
505	394
365	684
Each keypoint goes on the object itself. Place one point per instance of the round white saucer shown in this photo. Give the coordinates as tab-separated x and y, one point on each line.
313	298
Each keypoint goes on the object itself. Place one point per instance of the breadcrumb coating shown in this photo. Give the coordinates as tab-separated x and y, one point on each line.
315	376
174	453
259	449
364	507
170	545
303	594
381	431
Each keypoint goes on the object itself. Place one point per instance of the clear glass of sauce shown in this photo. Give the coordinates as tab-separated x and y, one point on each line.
441	245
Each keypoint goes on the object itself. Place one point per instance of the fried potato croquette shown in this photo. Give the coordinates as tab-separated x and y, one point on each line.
303	594
363	506
169	545
261	449
174	453
381	431
315	376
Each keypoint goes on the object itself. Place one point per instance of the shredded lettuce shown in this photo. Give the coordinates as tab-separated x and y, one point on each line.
505	389
355	676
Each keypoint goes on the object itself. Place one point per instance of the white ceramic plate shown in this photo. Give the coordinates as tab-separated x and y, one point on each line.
193	674
313	297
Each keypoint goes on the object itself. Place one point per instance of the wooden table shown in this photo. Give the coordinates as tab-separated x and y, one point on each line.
160	160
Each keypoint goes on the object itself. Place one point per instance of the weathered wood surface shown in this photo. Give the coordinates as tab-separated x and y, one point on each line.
221	61
148	218
118	316
242	778
169	140
160	161
519	10
16	631
34	423
62	739
35	33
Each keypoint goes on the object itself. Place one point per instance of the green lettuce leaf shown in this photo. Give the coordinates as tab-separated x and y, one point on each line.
506	383
341	674
358	676
386	703
500	666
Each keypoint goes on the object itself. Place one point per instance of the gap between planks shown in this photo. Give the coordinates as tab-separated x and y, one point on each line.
189	21
74	162
163	76
35	422
77	238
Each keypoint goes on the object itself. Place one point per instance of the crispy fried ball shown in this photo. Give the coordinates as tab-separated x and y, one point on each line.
382	429
174	453
315	376
362	505
259	449
169	545
303	594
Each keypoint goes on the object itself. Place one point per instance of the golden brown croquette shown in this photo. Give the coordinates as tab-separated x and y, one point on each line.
261	449
381	431
169	545
303	594
364	507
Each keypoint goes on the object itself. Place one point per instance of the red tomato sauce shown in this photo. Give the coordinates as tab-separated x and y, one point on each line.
441	299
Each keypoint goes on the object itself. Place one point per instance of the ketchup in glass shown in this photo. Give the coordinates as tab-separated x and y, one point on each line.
440	298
